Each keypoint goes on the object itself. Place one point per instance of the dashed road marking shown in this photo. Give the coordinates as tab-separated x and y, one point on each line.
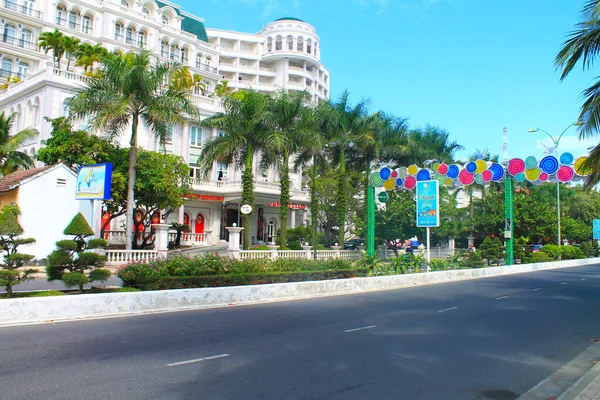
195	360
447	309
564	283
582	279
361	328
501	297
536	289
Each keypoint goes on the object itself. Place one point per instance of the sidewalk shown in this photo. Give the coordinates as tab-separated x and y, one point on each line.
586	388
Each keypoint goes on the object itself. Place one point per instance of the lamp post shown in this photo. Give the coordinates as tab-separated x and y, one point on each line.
556	142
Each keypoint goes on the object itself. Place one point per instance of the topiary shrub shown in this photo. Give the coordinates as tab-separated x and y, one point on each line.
10	230
71	260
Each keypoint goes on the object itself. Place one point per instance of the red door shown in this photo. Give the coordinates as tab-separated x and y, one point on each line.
199	224
105	218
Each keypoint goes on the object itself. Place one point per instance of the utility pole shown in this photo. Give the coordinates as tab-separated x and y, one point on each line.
508	202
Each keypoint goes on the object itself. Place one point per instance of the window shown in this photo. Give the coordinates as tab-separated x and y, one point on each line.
198	60
129	34
300	44
124	4
73	17
145	11
164	49
6	67
165	20
184	55
195	136
169	135
142	39
26	39
221	170
220	133
278	43
23	68
269	44
86	24
27	7
66	107
61	181
207	63
290	41
174	52
119	28
11	4
61	15
315	49
309	46
9	34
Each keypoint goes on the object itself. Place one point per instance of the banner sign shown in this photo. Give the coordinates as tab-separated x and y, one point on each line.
207	197
293	206
94	182
428	204
597	229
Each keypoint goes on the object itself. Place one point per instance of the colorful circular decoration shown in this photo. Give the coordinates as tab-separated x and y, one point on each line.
384	173
413	169
465	177
449	181
481	166
375	180
394	174
399	182
579	168
543	177
487	175
530	162
423	175
479	179
383	197
565	173
471	167
440	178
497	171
549	164
453	171
520	177
410	182
389	184
436	166
566	158
403	172
516	166
532	174
442	169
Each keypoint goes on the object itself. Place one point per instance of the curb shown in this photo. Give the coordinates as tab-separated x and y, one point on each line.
67	308
592	377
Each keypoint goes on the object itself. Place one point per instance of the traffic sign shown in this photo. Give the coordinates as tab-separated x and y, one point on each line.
383	197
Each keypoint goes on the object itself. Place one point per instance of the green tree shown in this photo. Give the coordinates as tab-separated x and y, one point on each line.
87	56
52	41
243	120
10	157
222	89
131	90
182	78
397	220
10	240
71	256
71	46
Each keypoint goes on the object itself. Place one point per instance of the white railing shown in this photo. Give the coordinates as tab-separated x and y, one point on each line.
265	69
70	75
255	254
297	69
326	254
197	98
237	185
115	236
118	257
191	239
291	254
349	254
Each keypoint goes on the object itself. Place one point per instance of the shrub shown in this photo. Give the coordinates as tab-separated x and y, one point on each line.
571	253
551	251
71	279
10	240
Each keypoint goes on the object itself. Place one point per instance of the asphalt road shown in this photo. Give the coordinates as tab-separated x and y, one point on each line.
483	339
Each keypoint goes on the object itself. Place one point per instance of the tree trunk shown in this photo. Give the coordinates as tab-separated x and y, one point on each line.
131	184
341	200
247	195
284	198
314	206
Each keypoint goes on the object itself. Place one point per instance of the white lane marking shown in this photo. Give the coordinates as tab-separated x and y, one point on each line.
198	360
535	290
501	297
564	283
448	309
597	276
582	279
361	328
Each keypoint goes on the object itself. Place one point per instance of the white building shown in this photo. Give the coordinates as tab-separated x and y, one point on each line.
284	55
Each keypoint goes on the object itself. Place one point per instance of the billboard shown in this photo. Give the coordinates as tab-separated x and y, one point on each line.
428	204
597	229
94	182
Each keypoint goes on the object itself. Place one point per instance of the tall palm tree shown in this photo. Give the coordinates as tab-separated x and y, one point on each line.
222	89
10	157
347	126
583	44
183	78
71	45
432	143
52	41
243	121
290	127
130	90
88	55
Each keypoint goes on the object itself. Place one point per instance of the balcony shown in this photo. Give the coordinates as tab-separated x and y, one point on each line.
23	8
24	44
235	187
207	67
6	73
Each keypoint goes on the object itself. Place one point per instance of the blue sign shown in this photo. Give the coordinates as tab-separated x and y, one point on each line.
597	229
428	204
94	182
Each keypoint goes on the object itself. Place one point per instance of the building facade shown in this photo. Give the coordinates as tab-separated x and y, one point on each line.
284	55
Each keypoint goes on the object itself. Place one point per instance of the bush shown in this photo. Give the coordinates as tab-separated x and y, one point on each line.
99	275
71	279
551	251
571	253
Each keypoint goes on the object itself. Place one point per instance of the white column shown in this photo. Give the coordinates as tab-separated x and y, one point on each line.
292	219
161	243
234	241
185	143
180	214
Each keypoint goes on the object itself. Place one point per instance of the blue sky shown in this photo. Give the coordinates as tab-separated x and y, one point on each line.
470	67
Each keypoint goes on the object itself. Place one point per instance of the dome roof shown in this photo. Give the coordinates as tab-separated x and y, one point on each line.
288	19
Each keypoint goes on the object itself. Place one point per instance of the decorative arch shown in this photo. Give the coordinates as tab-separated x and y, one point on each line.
278	42
199	223
151	6
186	219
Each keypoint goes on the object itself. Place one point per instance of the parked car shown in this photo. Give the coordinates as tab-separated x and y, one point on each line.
353	244
534	248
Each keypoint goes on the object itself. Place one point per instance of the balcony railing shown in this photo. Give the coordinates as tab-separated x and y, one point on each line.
236	186
23	9
25	44
5	73
61	21
207	67
74	25
11	5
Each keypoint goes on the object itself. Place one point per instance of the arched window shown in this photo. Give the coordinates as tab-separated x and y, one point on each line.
66	107
174	52
28	7
87	24
290	42
164	48
129	35
119	29
124	3
300	44
198	60
309	46
74	20
18	119
184	55
61	15
9	34
23	69
142	39
35	113
6	67
208	62
269	44
165	20
278	43
145	11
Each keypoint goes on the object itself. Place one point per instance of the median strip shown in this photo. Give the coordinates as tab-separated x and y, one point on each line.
198	360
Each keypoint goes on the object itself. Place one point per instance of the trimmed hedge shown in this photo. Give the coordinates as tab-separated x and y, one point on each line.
176	282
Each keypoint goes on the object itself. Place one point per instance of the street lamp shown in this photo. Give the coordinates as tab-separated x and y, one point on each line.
556	141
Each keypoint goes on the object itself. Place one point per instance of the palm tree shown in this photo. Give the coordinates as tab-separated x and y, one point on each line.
71	45
583	44
87	55
183	78
290	126
222	89
243	120
346	126
52	41
10	157
432	143
130	90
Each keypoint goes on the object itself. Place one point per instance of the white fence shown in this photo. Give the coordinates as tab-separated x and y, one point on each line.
187	239
300	254
119	257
